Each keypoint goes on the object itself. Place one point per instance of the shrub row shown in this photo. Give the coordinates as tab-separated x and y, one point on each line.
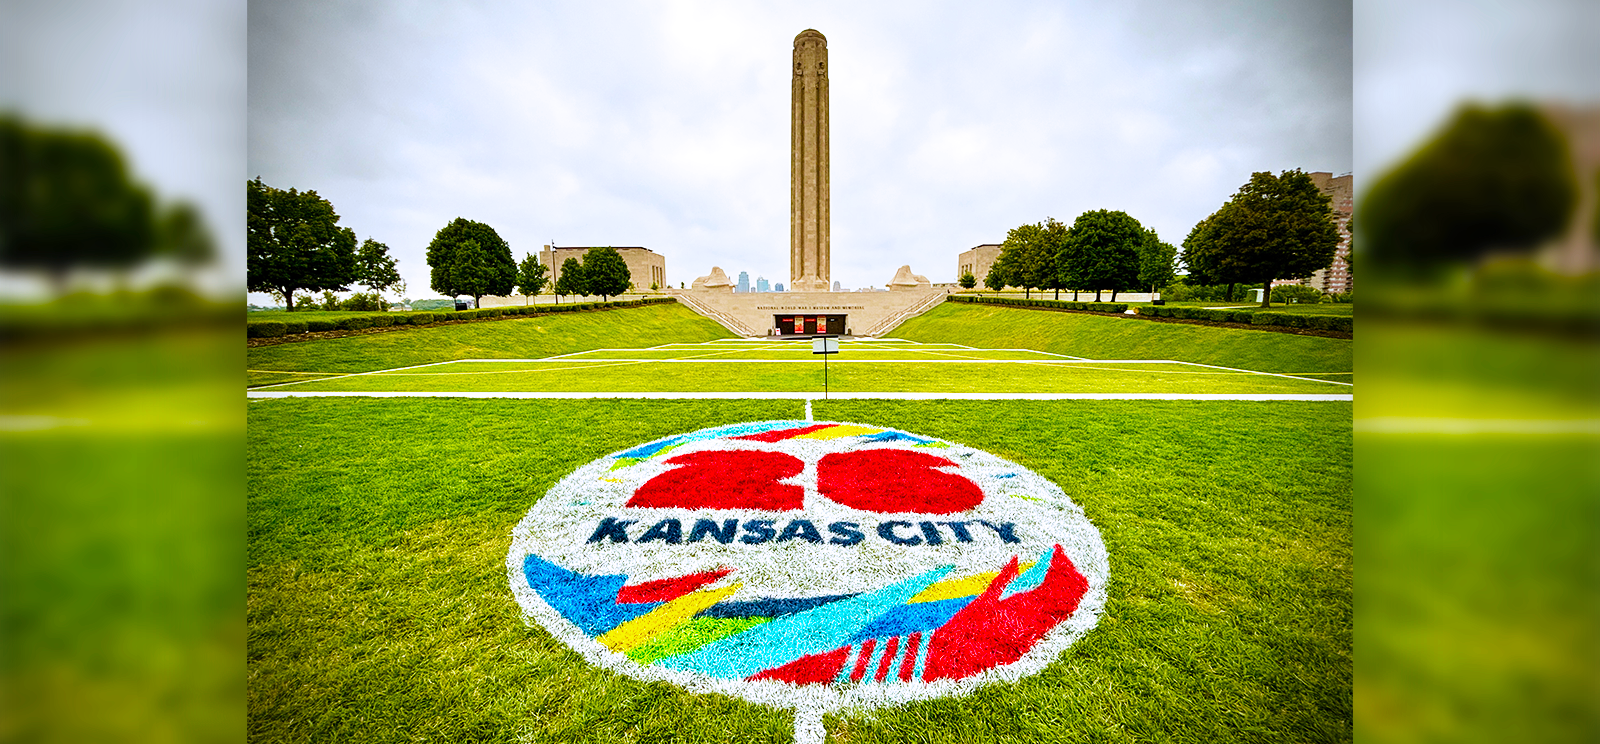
276	328
1339	323
1093	307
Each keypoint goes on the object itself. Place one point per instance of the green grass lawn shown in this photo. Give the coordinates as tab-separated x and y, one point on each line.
1057	376
378	607
1097	337
517	338
121	507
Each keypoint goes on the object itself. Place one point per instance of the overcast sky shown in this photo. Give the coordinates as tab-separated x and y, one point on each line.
666	124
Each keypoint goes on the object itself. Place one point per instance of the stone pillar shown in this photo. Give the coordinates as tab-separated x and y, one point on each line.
808	166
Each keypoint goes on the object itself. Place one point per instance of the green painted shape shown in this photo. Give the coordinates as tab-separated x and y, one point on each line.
692	635
623	462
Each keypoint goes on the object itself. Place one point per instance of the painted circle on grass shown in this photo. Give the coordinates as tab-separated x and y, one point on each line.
810	565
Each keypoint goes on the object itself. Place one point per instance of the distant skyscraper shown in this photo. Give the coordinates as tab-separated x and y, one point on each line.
836	285
777	287
744	283
761	284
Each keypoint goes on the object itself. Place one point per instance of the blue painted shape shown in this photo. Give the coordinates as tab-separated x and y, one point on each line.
590	602
1031	578
770	607
790	637
913	618
645	451
895	436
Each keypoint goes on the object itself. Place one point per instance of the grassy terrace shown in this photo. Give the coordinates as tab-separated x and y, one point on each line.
515	338
378	604
844	375
1115	337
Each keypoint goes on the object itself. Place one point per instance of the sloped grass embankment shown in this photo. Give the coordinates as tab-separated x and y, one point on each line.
1115	337
518	338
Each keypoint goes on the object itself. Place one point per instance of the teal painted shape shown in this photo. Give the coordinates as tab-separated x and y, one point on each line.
1031	578
790	637
647	451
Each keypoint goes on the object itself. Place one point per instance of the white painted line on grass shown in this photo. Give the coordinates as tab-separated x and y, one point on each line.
1269	374
812	396
1425	425
353	374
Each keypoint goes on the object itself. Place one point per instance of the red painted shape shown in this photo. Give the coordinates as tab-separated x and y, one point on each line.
888	658
816	669
910	664
666	590
991	631
779	435
724	479
892	480
862	660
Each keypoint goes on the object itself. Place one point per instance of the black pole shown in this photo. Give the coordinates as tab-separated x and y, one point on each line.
824	370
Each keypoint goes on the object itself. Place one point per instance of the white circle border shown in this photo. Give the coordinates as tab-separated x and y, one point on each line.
818	699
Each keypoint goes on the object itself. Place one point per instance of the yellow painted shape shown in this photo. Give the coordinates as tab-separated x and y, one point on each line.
842	430
965	586
643	629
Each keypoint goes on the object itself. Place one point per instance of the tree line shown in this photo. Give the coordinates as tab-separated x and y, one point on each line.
296	245
1274	227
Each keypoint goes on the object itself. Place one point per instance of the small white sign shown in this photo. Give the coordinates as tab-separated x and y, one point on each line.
824	346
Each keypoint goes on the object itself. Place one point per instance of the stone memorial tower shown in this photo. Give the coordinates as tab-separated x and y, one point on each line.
808	165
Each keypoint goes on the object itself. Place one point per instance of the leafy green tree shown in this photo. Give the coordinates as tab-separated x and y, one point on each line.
605	273
1274	227
967	280
571	282
375	268
1027	259
1494	179
181	235
1157	262
295	242
995	280
66	201
532	277
487	269
1101	251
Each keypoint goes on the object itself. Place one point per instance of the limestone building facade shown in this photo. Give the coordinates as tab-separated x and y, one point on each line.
646	268
809	248
977	261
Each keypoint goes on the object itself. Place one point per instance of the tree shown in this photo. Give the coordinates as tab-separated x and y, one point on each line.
1026	259
1274	227
1157	263
487	269
532	276
1494	179
571	279
1101	251
605	273
375	268
967	280
66	201
295	242
995	280
181	235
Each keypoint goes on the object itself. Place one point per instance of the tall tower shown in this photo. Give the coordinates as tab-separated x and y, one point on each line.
808	165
